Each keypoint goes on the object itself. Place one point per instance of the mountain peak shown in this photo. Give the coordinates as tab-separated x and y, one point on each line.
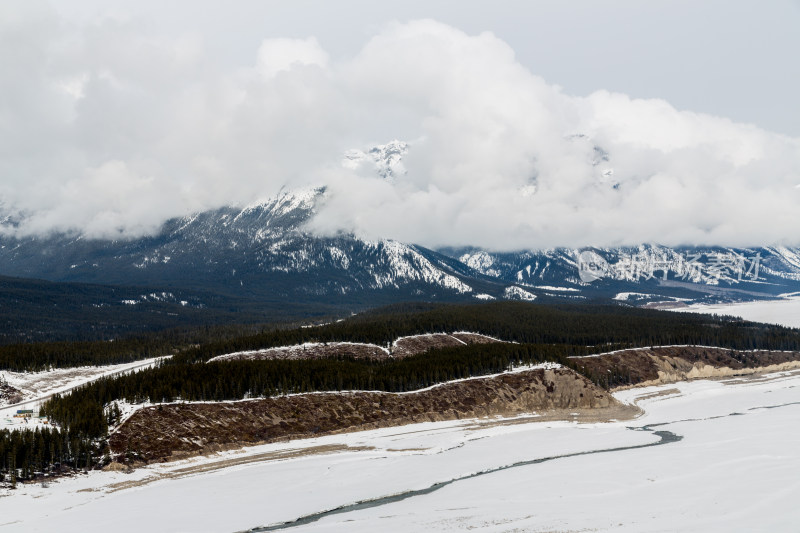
383	160
287	201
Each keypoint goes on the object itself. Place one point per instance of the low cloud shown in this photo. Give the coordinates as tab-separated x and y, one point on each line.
109	130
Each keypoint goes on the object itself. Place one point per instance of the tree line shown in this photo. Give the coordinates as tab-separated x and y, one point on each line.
32	357
26	453
82	409
588	325
541	333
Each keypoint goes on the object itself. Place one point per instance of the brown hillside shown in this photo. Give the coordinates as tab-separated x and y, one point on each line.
9	395
161	431
403	347
668	364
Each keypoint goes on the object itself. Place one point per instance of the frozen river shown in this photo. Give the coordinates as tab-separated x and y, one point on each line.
785	312
725	458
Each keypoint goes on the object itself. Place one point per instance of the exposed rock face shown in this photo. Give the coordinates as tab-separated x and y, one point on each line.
158	432
8	394
668	364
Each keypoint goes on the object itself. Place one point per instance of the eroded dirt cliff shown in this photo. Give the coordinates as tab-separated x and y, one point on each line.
668	364
158	432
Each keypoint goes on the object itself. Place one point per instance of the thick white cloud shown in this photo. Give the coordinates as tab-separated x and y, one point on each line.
109	129
281	55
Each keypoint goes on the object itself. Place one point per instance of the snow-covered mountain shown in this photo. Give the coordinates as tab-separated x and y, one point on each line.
383	160
646	273
260	250
263	252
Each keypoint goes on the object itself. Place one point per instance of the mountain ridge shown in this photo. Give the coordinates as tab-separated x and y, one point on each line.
263	251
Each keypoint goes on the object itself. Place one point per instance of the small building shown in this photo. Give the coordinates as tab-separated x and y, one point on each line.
24	413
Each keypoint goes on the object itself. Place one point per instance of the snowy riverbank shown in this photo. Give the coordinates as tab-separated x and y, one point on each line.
731	465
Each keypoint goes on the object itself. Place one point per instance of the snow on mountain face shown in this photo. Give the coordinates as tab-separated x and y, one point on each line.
282	246
713	266
671	273
297	202
480	261
516	293
408	264
259	249
263	249
385	160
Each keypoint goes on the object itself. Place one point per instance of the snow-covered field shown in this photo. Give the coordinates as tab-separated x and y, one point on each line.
35	387
785	312
735	467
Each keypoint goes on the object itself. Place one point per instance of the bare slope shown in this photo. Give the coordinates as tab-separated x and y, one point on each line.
668	364
8	394
402	347
161	431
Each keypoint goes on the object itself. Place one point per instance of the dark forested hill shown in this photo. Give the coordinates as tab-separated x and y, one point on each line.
41	311
262	259
537	333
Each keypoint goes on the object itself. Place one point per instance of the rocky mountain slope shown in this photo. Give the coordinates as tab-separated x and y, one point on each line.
260	250
264	252
644	274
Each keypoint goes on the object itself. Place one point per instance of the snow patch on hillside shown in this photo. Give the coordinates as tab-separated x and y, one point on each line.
517	293
480	261
557	289
405	263
625	296
483	296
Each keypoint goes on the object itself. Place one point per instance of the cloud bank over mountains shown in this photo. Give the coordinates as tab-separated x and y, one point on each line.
109	129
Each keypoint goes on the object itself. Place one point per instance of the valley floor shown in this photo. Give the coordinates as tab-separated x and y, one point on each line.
785	312
705	456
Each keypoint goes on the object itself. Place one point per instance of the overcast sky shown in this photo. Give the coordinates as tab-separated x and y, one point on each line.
530	124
